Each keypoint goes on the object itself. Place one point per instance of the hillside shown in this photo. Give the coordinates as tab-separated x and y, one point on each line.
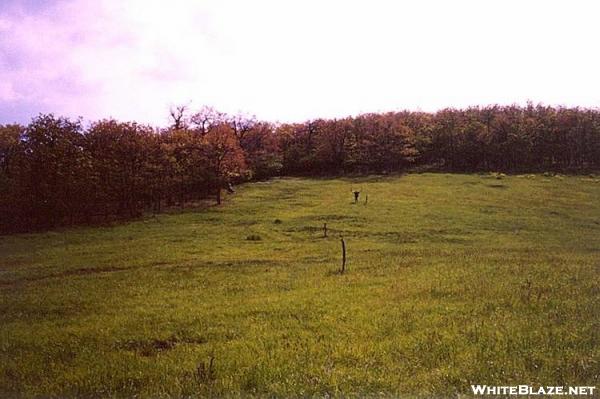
452	280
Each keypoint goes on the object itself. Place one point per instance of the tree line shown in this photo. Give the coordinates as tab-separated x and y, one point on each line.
55	171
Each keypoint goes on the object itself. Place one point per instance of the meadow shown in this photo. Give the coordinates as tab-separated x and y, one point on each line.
451	280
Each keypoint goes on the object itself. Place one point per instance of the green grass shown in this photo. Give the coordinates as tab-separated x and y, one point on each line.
451	280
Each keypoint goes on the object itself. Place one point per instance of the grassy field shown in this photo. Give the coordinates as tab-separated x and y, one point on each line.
451	280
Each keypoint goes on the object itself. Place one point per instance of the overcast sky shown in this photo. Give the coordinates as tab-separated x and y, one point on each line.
292	60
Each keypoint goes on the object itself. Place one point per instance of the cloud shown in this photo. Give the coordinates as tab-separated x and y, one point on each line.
92	59
291	60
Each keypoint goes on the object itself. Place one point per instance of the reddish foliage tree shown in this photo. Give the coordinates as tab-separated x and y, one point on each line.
225	157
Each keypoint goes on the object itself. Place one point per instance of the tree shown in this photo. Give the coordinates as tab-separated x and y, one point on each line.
54	175
261	150
178	117
120	154
10	138
225	158
11	154
207	118
241	124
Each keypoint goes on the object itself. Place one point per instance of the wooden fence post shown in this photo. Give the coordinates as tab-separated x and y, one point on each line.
343	255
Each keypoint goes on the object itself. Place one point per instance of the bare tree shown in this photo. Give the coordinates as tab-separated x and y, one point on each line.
242	124
207	118
177	114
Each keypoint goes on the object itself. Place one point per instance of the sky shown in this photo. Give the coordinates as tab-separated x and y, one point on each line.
290	61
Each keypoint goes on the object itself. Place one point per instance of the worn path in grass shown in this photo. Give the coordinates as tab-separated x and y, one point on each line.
452	280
